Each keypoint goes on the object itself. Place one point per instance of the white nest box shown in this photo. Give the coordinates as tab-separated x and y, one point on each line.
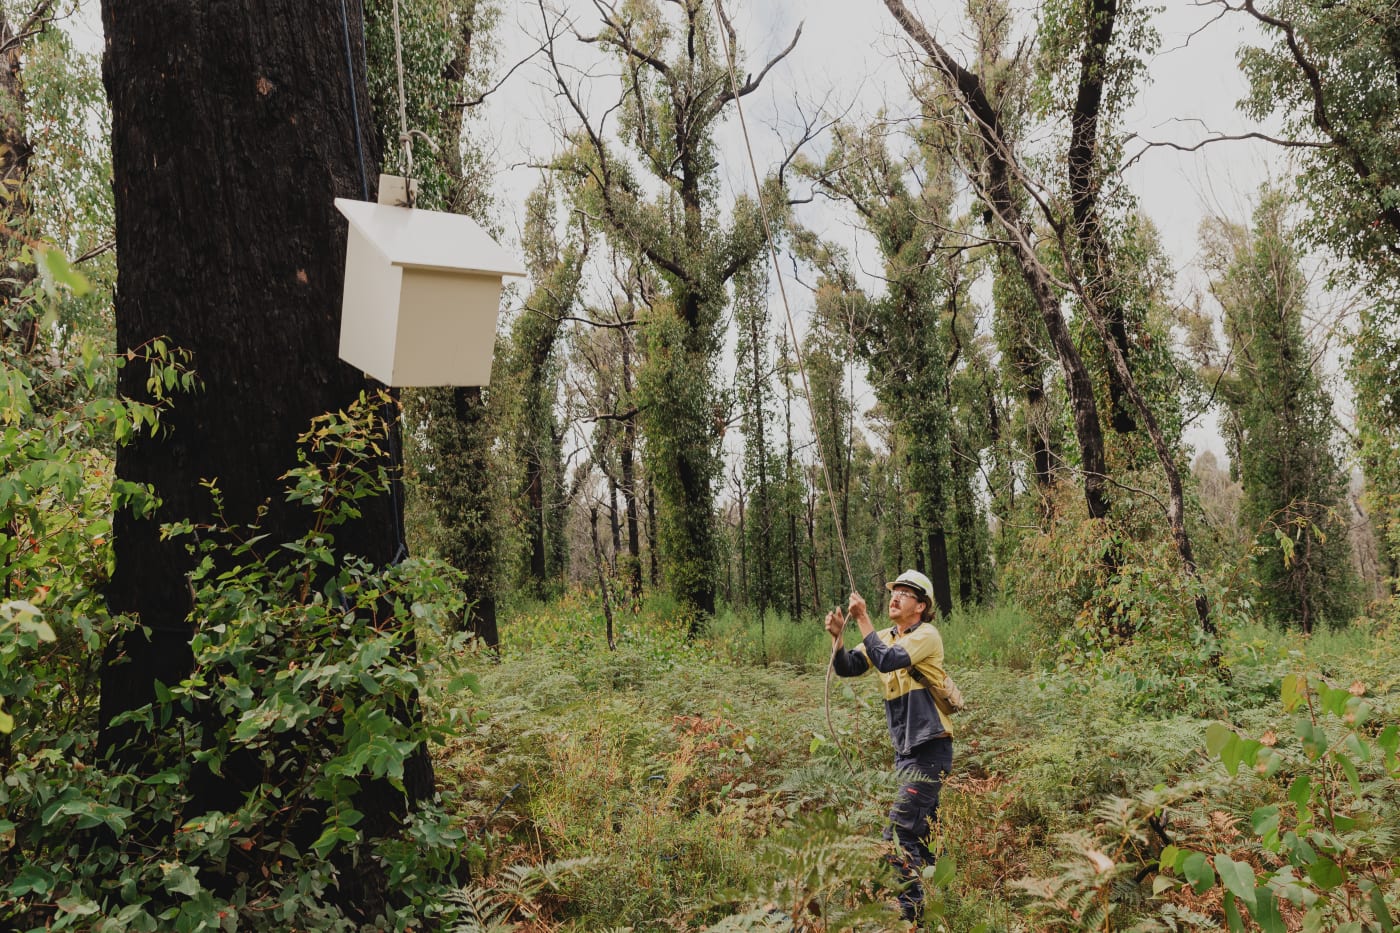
422	290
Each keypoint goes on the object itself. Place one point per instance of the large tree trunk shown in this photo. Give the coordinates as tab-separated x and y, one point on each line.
233	131
464	448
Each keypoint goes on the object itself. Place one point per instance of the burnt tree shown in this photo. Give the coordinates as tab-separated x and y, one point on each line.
235	126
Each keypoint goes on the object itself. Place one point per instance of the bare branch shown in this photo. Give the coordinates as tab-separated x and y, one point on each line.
613	415
751	83
621	38
481	98
605	187
96	251
1222	138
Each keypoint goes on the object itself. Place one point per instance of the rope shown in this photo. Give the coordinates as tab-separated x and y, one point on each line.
801	364
405	138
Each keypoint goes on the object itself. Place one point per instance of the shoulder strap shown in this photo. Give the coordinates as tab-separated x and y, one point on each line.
919	676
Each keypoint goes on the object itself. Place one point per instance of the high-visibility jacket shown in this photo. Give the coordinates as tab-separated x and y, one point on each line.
911	709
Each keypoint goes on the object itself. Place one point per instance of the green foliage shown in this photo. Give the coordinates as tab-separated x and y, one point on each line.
430	58
675	390
1321	840
442	68
818	874
1279	425
57	496
1351	185
304	669
66	121
1323	69
57	211
764	557
990	637
674	757
1097	883
1299	836
1065	30
1134	625
527	378
511	895
904	334
1375	373
751	639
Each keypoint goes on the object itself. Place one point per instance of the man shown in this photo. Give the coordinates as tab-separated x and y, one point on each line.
909	660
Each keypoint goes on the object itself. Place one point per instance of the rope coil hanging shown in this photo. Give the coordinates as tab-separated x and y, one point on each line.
797	352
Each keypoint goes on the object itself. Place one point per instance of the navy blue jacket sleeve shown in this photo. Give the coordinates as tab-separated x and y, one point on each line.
886	658
850	663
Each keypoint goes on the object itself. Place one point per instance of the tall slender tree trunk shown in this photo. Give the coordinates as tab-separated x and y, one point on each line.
1084	173
458	432
558	502
15	212
629	482
812	551
763	493
919	540
599	565
898	535
743	553
653	568
614	519
234	127
938	569
794	557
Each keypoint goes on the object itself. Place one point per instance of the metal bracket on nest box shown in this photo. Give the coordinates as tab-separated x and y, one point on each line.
397	191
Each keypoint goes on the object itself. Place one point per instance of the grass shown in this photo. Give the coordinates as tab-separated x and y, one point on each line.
701	784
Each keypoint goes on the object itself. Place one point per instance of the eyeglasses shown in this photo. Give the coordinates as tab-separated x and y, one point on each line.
904	594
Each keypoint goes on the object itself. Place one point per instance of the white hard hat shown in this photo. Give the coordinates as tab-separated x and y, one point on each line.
916	581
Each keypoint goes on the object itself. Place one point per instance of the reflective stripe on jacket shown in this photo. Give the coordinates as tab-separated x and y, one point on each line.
911	710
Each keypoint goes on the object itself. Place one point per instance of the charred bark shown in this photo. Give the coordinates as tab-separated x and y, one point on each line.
234	127
1082	165
626	457
938	570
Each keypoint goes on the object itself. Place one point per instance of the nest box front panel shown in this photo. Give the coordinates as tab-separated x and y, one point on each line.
447	328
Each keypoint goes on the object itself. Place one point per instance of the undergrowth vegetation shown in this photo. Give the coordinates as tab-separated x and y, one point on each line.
716	781
700	784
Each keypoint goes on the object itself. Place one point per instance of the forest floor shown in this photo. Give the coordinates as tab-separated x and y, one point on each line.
675	784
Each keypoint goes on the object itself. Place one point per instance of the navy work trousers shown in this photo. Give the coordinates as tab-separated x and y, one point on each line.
914	814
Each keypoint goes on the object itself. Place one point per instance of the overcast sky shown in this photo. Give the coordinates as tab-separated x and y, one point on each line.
849	54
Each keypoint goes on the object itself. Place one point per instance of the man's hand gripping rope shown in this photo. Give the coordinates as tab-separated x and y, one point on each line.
835	626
